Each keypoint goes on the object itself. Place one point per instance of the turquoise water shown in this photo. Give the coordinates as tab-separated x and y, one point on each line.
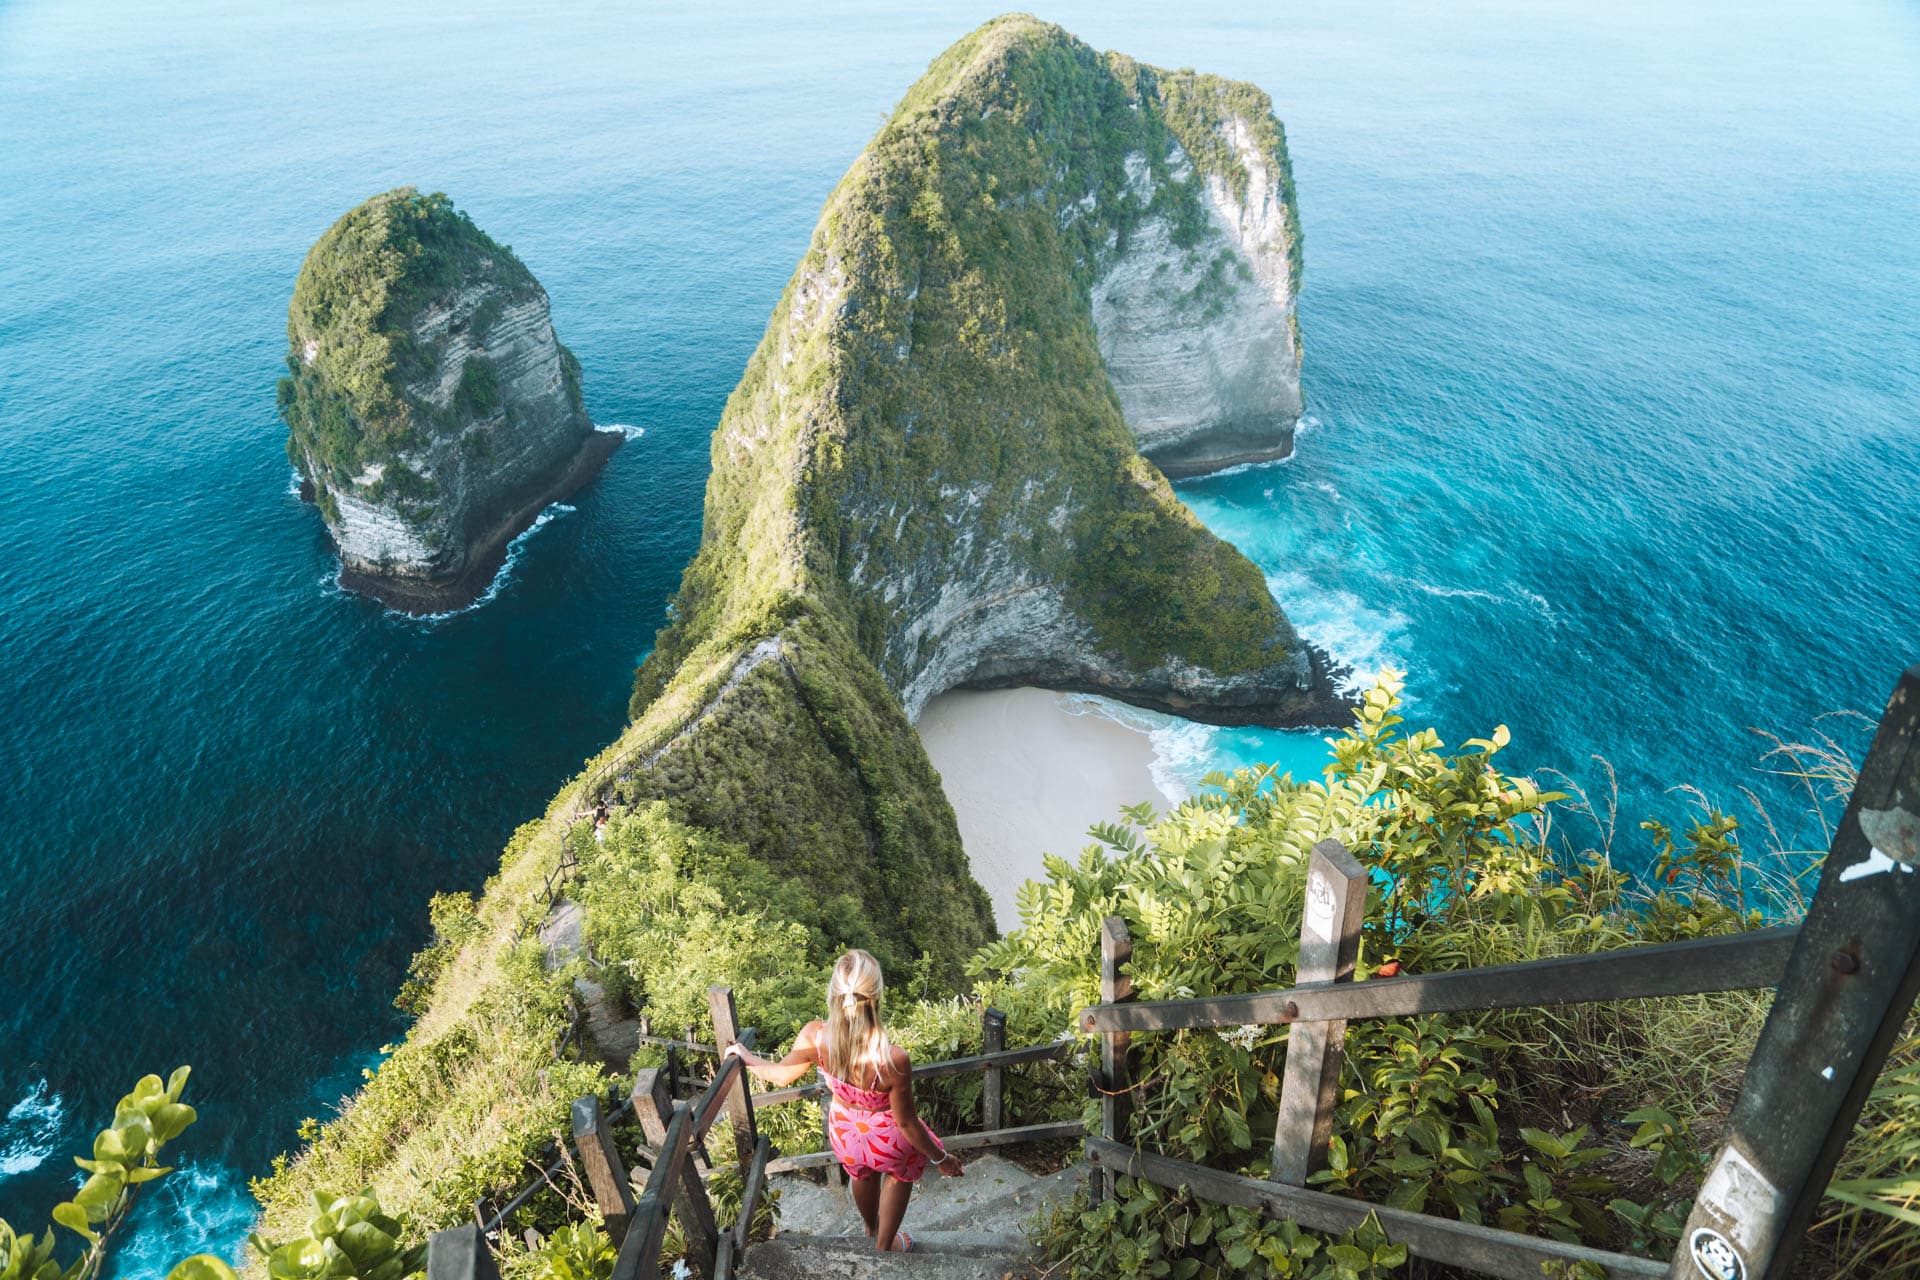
1611	347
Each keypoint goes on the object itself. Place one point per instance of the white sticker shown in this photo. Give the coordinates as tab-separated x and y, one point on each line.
1877	863
1741	1195
1319	906
1716	1258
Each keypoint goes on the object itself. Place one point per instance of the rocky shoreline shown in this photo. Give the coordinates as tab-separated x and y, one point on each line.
1224	449
488	553
1319	704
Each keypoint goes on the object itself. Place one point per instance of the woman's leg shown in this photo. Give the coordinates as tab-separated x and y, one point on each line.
866	1198
893	1208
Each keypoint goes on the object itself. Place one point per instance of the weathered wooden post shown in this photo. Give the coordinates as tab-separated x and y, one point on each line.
993	1038
658	1111
739	1097
1116	1098
1336	908
1852	977
606	1173
639	1256
460	1253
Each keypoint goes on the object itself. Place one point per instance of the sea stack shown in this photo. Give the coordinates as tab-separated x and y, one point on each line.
431	410
1194	292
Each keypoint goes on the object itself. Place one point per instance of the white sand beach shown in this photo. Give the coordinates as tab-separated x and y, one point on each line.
1026	775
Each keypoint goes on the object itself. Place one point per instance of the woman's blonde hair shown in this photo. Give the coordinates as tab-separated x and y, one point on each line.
857	1047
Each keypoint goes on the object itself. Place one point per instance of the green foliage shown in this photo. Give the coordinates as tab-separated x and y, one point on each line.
348	1238
577	1251
810	767
475	1090
352	352
454	925
1436	1115
672	910
125	1156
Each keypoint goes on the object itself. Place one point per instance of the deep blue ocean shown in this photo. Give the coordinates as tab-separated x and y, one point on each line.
1613	353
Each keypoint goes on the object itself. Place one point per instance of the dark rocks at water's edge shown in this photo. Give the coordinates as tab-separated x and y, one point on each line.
487	557
432	412
1271	699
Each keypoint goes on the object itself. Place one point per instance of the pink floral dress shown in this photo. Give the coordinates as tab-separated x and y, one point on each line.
866	1138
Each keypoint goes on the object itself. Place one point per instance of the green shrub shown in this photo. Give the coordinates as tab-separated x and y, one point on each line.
125	1156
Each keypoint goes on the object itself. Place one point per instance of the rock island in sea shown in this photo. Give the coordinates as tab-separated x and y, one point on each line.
936	472
431	411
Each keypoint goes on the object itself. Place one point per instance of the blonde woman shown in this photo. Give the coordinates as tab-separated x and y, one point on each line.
876	1132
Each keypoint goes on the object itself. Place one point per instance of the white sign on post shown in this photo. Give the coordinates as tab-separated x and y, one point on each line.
1319	906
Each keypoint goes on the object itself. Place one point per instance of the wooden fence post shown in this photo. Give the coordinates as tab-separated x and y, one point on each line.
1852	976
993	1038
1116	1101
606	1173
739	1099
658	1110
460	1253
1336	907
639	1256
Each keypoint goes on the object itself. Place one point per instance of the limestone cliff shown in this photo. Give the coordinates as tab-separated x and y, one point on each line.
926	477
1196	320
431	410
932	439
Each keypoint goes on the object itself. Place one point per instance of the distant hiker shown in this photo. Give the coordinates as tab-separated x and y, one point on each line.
876	1132
600	816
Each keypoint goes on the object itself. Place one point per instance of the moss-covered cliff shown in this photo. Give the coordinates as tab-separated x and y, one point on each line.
925	479
430	409
927	444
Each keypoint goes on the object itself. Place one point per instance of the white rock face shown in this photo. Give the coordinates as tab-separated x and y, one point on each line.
1202	349
484	470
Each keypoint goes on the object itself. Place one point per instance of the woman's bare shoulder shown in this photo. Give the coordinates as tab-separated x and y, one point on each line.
901	1063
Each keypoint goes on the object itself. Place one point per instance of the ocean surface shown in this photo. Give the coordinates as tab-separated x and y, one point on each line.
1612	354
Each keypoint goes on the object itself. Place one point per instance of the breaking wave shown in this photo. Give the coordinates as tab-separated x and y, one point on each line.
31	1130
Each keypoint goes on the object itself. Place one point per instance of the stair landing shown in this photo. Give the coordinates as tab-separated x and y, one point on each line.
966	1228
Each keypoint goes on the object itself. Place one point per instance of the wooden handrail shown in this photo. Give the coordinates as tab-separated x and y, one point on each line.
639	1257
714	1101
1737	962
750	1196
460	1253
935	1070
1462	1244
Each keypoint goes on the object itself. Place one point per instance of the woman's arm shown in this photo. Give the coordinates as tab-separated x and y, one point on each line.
797	1063
907	1117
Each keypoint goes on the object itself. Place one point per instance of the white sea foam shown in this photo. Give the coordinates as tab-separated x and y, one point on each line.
1521	598
1181	748
293	482
504	576
1241	468
198	1208
31	1130
626	429
1353	633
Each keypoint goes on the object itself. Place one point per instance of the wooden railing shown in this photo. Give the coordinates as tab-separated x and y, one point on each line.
675	1131
1847	976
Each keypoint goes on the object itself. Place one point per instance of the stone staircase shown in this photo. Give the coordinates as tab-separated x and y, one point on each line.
967	1228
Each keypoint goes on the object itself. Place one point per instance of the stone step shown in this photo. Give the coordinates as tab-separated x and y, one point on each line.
1015	1206
937	1255
811	1208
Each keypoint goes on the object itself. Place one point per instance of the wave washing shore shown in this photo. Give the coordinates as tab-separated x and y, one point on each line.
334	583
